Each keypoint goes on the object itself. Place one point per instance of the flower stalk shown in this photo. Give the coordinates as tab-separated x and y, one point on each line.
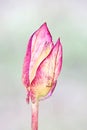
34	116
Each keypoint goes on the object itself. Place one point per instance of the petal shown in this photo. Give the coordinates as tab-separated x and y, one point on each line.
57	69
44	79
25	73
58	61
40	48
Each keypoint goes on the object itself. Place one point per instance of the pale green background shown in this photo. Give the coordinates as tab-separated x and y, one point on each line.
67	19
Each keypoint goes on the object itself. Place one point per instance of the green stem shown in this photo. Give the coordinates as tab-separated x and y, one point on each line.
34	120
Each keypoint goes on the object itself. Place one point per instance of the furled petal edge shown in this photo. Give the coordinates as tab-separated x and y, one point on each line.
25	73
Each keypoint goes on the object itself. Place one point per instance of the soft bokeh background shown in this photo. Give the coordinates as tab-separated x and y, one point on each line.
67	19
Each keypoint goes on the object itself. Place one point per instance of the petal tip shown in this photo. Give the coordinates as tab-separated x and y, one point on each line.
45	28
44	24
58	43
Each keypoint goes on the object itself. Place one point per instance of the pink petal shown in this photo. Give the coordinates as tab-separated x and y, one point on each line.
58	61
57	69
44	82
25	73
40	48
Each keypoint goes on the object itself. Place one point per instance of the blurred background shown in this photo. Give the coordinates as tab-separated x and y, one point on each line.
66	109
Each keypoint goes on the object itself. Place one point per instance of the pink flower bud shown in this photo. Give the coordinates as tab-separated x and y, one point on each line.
42	64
